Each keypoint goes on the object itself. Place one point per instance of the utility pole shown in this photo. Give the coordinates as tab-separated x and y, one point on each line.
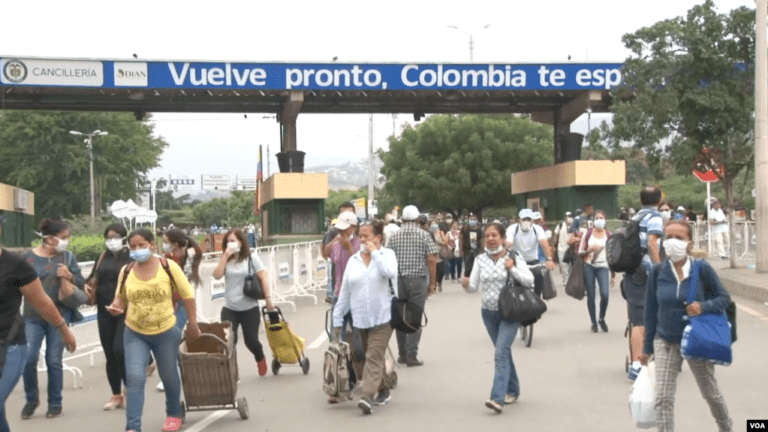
761	135
89	143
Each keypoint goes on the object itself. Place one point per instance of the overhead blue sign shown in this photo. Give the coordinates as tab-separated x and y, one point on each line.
309	76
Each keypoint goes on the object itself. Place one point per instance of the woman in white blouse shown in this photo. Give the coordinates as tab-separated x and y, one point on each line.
365	291
489	274
592	248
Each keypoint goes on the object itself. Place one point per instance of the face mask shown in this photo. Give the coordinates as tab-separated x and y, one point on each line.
448	221
351	236
666	215
600	223
569	220
191	252
364	248
140	255
473	224
114	245
495	251
676	249
235	246
62	246
526	225
166	247
433	228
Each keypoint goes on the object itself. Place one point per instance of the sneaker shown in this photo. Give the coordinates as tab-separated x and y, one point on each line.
633	372
414	362
172	424
365	405
114	403
334	399
594	328
53	411
402	360
29	409
492	404
510	399
603	326
382	398
160	387
263	367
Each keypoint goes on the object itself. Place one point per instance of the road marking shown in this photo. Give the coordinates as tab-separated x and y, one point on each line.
754	313
319	341
202	424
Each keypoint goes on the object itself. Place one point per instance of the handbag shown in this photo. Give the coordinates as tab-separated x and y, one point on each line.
93	281
568	256
406	315
548	290
74	300
519	303
252	285
576	286
707	336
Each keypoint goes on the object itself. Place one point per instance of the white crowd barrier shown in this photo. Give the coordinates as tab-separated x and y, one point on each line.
744	237
293	271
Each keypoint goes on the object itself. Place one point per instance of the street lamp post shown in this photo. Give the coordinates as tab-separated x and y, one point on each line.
471	40
89	141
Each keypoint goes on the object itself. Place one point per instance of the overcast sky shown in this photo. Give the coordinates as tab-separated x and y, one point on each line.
522	31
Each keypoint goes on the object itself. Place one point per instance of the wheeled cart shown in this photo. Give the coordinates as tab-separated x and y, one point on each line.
287	348
209	371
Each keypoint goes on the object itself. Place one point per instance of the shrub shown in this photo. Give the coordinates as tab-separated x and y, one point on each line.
86	248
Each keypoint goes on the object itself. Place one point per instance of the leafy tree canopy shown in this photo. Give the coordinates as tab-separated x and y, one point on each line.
463	162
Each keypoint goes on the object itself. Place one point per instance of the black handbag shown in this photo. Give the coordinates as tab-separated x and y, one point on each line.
548	290
406	315
252	286
519	303
568	256
576	286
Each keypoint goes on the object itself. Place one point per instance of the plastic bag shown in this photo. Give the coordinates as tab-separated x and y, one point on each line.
642	398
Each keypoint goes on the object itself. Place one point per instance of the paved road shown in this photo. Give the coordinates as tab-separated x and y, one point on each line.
571	379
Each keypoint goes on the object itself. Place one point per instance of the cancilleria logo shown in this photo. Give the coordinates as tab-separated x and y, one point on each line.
15	71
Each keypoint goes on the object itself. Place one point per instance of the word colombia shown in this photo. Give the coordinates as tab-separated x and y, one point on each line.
275	76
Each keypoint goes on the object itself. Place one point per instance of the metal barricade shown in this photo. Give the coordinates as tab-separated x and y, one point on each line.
88	344
319	265
283	274
302	281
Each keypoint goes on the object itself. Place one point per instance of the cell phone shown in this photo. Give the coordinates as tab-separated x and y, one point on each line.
114	309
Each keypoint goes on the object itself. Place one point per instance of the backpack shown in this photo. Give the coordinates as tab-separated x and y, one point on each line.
337	369
163	263
623	249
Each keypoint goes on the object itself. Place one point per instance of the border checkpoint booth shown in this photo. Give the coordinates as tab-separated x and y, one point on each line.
17	206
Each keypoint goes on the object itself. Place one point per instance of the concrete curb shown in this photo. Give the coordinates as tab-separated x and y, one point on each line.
742	281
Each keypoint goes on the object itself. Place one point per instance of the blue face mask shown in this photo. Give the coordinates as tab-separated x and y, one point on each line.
473	224
140	255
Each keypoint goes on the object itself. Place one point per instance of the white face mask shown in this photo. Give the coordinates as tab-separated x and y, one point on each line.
62	245
114	245
569	220
600	223
235	246
666	215
167	247
676	249
495	251
526	225
364	248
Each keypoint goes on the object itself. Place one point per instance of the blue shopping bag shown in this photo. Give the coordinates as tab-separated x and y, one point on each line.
707	336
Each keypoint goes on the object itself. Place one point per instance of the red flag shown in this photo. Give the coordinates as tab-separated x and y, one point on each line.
257	196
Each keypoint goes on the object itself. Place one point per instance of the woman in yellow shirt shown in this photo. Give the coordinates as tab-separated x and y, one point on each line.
150	326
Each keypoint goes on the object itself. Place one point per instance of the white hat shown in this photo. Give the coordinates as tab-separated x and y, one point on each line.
681	208
346	220
410	213
536	216
525	213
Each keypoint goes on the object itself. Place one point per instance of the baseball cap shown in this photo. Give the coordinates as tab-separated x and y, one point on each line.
525	213
410	213
423	218
536	216
346	220
568	214
681	208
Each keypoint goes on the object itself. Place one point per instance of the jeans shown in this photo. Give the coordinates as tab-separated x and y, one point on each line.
36	330
111	331
502	335
440	272
415	290
329	270
451	270
182	316
250	321
165	348
14	365
601	276
347	323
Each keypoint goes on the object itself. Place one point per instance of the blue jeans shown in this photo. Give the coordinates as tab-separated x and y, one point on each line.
182	316
502	335
36	330
601	276
14	364
165	348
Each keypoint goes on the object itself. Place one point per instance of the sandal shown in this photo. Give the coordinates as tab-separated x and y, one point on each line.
172	424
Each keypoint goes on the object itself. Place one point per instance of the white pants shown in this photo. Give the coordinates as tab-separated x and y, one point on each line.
722	243
565	268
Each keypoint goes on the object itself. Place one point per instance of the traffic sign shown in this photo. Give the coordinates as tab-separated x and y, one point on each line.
245	182
215	182
181	183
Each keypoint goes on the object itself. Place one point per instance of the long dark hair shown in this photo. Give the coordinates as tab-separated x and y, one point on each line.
177	237
245	249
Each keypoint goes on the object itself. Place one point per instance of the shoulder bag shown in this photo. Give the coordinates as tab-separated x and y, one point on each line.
707	336
93	281
252	286
406	315
576	286
519	303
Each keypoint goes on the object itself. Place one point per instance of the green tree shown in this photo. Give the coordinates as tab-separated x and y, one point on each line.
40	155
336	198
688	92
240	209
211	212
463	162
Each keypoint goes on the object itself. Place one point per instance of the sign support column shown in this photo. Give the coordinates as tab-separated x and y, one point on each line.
761	135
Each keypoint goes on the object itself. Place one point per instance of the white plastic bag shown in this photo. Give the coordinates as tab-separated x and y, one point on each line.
642	398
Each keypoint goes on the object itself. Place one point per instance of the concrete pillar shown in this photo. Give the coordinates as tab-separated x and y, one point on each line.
761	136
290	112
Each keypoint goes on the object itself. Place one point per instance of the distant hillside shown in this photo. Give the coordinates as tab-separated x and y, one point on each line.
349	175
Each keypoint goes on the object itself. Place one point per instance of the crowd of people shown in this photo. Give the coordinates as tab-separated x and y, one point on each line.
146	301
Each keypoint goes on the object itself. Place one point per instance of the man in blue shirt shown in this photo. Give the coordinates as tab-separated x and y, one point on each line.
584	221
634	283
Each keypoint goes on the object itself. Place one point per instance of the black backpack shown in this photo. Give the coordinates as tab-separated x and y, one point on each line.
623	249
